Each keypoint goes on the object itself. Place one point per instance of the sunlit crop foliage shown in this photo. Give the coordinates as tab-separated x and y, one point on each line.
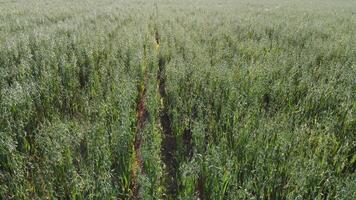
165	99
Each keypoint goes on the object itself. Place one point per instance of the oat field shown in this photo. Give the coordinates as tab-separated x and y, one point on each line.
168	99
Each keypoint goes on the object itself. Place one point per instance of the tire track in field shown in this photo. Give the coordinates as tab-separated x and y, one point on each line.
141	117
169	142
188	137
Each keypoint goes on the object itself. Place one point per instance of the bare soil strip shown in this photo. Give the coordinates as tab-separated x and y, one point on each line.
142	116
169	142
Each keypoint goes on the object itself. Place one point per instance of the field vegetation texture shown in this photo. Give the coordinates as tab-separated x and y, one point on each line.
144	99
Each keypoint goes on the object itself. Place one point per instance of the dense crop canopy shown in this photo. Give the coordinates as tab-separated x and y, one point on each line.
165	99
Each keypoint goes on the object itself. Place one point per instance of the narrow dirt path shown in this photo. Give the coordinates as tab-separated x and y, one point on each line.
141	117
169	143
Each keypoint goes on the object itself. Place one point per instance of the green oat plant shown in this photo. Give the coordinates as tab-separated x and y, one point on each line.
243	99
